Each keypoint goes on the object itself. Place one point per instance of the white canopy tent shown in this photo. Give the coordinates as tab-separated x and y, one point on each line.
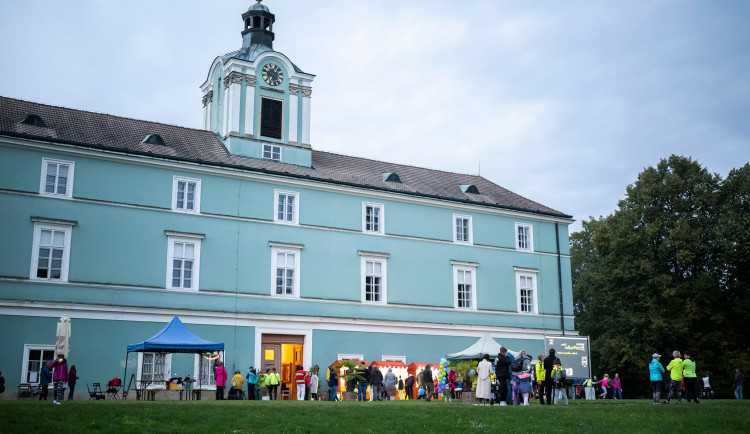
485	345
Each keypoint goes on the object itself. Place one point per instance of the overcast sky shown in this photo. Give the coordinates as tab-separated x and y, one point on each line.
563	102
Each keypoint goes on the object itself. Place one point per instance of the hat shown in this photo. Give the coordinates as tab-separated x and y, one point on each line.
655	355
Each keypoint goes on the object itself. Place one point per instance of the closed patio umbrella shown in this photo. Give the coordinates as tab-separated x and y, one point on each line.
62	341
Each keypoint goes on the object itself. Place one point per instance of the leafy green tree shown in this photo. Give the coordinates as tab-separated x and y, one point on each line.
655	275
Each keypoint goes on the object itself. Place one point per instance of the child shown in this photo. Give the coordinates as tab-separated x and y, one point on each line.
421	393
459	389
524	387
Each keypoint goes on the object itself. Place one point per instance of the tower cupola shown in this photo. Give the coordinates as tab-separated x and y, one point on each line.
258	26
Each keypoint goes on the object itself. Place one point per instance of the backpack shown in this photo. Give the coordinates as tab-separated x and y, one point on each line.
521	363
560	375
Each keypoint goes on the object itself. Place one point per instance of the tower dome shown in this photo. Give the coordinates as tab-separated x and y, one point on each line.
258	26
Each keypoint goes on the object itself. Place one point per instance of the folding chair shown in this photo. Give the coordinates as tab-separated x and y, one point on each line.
95	394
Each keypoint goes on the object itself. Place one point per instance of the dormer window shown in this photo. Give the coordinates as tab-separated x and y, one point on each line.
34	120
391	177
470	188
154	139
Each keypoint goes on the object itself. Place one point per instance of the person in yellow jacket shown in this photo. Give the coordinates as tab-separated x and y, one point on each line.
272	383
589	389
675	374
237	382
540	375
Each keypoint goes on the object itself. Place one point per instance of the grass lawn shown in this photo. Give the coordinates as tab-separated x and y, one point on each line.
346	417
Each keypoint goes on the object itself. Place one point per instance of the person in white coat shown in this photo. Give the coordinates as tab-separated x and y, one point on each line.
484	370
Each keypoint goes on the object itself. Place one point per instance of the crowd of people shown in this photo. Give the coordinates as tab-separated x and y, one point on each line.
306	383
508	381
55	372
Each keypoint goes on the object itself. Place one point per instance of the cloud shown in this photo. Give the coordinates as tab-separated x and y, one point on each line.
563	103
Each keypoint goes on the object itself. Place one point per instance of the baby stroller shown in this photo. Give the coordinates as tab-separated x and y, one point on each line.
495	393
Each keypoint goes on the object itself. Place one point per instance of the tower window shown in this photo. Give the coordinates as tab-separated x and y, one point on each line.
271	118
272	152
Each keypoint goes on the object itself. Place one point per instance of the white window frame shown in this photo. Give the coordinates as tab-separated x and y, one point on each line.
27	348
356	357
43	179
271	151
42	224
470	229
182	237
295	211
155	384
382	259
461	266
286	248
211	385
530	241
528	273
196	201
381	218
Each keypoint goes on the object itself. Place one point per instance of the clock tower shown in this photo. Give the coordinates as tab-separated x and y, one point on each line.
256	99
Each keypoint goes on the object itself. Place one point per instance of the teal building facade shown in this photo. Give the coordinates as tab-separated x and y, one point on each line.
256	239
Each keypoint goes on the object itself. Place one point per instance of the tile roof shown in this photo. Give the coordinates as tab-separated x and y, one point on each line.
103	131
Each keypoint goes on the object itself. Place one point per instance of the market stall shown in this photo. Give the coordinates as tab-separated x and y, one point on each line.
399	369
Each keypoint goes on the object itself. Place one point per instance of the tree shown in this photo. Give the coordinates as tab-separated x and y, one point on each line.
655	275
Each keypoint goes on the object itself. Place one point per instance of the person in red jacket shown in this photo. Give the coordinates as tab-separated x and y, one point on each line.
452	380
220	374
300	378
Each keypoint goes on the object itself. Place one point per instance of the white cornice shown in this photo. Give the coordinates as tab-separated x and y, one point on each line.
277	179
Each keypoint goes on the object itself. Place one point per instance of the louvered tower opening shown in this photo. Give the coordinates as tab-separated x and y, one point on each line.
271	118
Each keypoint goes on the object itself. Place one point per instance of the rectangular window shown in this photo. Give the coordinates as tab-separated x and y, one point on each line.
34	356
203	371
286	206
57	178
186	194
462	232
285	265
524	237
51	252
464	285
272	152
526	290
373	218
374	277
271	118
153	369
183	257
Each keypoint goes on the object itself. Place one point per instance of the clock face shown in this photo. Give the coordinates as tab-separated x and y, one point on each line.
272	74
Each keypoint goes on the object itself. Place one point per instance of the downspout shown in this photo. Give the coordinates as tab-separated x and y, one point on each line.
559	280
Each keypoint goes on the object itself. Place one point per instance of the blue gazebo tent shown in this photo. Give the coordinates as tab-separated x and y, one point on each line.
173	338
176	338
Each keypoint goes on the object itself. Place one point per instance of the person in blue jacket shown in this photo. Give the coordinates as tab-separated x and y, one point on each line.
656	370
45	378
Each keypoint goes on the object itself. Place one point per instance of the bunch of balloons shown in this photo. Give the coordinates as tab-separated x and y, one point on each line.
442	377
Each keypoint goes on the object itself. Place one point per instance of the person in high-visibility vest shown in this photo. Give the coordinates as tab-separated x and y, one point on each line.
541	375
